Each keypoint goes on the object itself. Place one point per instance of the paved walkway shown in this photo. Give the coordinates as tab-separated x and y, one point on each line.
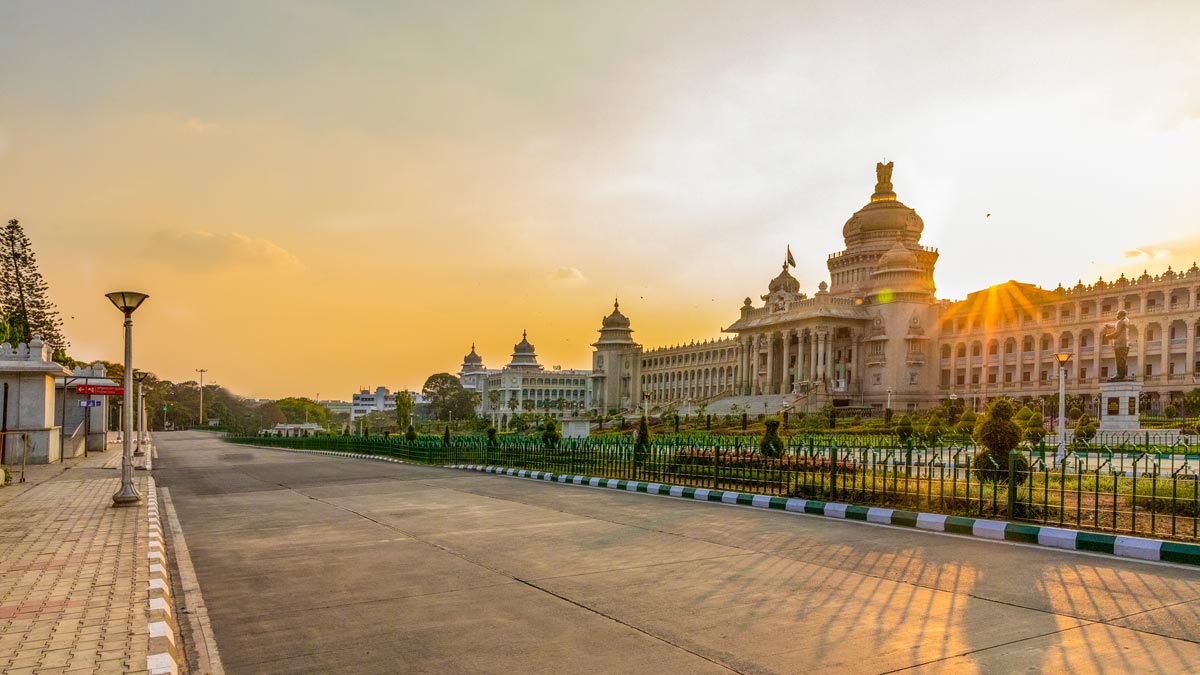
316	564
73	573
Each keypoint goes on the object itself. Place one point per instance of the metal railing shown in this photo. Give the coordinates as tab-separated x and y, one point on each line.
1123	489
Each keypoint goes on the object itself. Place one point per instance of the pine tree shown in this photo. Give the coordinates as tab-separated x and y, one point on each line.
23	292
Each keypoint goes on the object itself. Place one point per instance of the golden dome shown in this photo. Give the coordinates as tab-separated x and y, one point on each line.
884	215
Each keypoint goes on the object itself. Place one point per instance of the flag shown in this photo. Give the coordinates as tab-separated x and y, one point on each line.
790	260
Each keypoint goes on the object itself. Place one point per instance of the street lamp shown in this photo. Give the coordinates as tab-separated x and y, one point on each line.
202	371
127	302
887	412
1062	358
139	377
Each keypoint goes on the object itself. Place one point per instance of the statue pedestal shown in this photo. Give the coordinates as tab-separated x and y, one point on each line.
1120	405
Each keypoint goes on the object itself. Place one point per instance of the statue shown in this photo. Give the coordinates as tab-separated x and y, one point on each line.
883	172
1119	334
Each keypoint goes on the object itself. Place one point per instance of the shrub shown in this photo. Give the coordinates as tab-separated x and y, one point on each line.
1085	429
410	434
491	435
550	433
1035	429
999	434
771	444
641	445
1170	410
966	423
446	436
992	469
1023	415
904	429
934	427
1074	413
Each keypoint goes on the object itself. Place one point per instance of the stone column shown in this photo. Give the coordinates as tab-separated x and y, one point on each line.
827	355
1166	352
1189	366
799	359
1141	352
812	356
769	385
785	380
1097	343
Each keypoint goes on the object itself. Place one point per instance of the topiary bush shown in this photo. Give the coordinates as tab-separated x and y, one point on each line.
999	434
904	429
446	436
934	427
550	433
1035	429
641	445
1085	430
491	435
1170	410
771	444
410	434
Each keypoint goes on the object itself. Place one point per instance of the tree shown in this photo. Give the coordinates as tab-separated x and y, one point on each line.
270	415
641	445
404	408
301	410
447	397
23	292
550	433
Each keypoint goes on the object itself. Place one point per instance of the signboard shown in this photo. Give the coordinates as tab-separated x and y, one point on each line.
90	404
99	390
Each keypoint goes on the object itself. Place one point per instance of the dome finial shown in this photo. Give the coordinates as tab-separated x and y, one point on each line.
883	183
616	303
524	333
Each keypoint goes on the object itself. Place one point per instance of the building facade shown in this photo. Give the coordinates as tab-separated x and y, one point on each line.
367	401
876	335
524	386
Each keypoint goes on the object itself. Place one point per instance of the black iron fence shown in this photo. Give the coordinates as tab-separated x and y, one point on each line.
1123	489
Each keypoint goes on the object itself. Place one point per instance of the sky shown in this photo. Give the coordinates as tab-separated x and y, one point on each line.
322	196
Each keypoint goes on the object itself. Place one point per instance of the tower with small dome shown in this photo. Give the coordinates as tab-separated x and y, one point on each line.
616	364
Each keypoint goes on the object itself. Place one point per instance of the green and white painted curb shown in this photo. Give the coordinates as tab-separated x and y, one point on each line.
1053	537
334	453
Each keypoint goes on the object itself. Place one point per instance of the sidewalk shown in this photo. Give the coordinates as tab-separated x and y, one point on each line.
75	578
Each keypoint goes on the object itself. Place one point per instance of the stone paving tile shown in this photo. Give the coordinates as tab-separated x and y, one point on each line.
74	584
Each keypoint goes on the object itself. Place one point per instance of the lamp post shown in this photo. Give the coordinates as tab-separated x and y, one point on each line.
646	405
1062	358
202	371
127	302
887	412
139	377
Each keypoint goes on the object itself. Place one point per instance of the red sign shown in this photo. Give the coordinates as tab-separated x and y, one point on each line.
99	390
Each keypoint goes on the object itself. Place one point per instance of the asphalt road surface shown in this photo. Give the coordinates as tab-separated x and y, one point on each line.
317	564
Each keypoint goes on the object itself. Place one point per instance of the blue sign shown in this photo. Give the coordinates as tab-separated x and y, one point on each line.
90	404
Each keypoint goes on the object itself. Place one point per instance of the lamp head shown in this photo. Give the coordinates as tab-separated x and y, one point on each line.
1062	357
126	301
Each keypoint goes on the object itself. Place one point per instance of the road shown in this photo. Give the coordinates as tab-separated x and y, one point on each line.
317	564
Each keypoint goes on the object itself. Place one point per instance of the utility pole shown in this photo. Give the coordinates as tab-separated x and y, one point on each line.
202	371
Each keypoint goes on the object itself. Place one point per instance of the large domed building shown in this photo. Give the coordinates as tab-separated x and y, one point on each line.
876	335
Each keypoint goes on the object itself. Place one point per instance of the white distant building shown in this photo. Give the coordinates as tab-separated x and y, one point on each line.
291	430
525	386
365	402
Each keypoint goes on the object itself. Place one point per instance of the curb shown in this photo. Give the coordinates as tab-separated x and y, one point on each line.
333	453
1051	537
162	656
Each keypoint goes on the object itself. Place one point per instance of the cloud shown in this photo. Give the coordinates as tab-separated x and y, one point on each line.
1147	253
568	275
198	126
197	249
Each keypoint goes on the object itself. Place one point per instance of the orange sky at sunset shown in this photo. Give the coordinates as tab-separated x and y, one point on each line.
319	196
